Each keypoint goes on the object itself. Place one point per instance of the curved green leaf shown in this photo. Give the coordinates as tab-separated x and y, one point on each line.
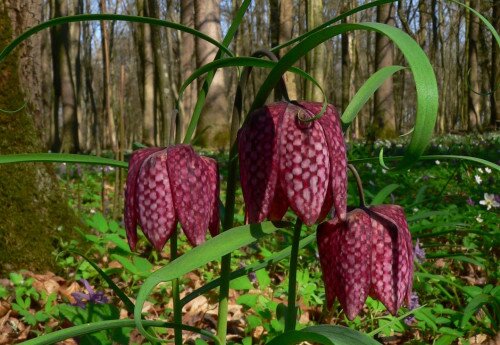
61	158
212	249
80	330
366	91
325	335
423	74
242	62
276	257
202	94
383	194
121	17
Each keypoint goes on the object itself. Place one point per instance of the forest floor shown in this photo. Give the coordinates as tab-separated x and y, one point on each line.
451	206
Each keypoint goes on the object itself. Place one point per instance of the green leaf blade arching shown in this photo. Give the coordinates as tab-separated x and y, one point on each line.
383	194
366	91
61	158
325	335
213	249
419	65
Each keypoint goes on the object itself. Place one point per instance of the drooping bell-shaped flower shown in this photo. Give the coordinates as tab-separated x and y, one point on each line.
288	161
368	254
169	185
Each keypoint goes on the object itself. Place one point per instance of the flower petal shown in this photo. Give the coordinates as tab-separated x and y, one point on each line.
131	215
330	122
192	192
213	182
345	256
391	260
154	199
258	155
279	205
304	166
328	249
397	216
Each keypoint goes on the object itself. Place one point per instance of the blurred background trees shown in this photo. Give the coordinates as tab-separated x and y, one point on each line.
82	106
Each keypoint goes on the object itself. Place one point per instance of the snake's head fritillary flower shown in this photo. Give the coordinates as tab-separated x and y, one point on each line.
368	254
168	185
288	161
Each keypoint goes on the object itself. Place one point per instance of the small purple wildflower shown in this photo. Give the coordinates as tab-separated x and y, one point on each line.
418	253
470	202
414	303
425	178
95	297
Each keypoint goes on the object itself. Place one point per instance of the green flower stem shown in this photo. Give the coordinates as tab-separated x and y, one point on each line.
291	313
176	293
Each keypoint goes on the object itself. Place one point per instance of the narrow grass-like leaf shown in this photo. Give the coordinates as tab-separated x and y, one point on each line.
242	62
61	158
88	328
431	157
476	303
276	257
212	249
366	91
423	75
202	94
325	335
383	194
120	17
393	321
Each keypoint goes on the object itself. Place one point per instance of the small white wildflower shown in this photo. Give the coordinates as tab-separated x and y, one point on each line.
437	162
415	210
384	171
488	170
478	179
92	211
489	201
374	171
369	165
479	219
480	170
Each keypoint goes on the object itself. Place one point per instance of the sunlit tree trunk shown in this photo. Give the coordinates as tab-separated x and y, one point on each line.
107	88
188	63
213	127
384	121
495	71
473	100
316	58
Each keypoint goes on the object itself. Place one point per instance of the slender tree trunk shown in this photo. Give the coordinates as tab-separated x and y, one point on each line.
213	127
384	112
108	116
473	100
495	71
286	10
63	84
316	58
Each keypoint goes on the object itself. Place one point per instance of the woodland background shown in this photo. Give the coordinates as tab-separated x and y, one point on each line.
103	85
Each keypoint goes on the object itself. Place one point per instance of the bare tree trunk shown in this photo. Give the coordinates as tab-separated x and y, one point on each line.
30	198
315	58
106	75
188	63
473	100
63	84
213	127
286	11
495	71
148	118
384	112
161	77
